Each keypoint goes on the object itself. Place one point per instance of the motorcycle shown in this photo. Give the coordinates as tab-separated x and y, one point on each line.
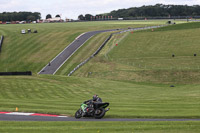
96	110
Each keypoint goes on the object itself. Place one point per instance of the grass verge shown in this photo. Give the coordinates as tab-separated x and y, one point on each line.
100	127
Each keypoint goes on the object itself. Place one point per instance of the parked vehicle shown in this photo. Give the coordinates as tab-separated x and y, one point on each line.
23	31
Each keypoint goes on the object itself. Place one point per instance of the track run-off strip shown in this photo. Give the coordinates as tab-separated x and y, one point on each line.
30	114
20	116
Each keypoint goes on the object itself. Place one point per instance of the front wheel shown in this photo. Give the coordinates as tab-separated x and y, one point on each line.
78	114
99	113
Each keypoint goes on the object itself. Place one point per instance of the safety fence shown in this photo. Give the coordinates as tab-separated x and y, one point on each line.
1	42
105	42
93	55
15	73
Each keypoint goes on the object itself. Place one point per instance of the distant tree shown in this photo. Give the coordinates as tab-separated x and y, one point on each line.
81	17
19	16
57	16
37	15
88	17
31	18
48	16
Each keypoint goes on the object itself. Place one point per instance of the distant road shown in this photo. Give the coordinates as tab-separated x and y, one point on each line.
61	58
4	117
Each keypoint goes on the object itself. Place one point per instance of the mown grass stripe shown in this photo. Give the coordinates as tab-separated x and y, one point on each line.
62	95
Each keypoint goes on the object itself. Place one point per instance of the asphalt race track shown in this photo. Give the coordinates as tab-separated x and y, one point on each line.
59	60
4	117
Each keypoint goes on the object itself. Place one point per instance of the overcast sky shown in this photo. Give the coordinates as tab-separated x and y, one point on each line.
73	8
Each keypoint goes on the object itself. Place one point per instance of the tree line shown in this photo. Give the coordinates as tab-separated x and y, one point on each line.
50	16
158	10
89	17
20	16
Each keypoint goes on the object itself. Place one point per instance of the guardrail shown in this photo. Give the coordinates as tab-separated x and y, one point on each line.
93	55
105	42
15	73
1	42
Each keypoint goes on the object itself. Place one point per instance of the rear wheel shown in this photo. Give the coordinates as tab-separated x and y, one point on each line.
78	114
99	113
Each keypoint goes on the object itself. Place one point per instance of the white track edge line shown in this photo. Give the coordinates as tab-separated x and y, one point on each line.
18	113
62	116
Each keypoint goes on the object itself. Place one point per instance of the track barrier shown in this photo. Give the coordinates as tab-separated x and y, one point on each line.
1	42
15	73
93	55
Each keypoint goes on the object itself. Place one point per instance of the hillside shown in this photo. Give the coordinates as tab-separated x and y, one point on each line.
146	56
31	52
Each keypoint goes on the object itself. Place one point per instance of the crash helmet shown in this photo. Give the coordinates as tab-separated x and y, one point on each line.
95	97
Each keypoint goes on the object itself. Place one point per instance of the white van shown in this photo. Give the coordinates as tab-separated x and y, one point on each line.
23	31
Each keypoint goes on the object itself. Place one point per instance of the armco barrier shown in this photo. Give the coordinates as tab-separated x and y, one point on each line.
15	73
95	53
99	49
1	42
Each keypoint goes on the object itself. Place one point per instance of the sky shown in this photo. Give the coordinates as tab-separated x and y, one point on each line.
73	8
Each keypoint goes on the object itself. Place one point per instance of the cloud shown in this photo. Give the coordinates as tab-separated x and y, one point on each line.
9	4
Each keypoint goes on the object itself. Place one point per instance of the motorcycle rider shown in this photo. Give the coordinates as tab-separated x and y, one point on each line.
90	103
94	99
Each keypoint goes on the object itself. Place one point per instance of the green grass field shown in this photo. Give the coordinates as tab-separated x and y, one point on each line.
63	95
135	76
100	127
